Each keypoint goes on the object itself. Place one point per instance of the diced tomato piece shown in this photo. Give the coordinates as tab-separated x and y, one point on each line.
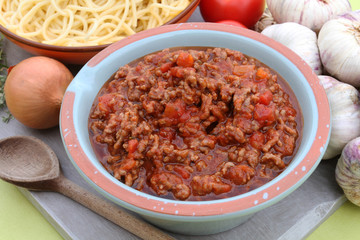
104	103
165	67
266	97
264	114
243	69
133	143
185	60
262	73
175	109
257	140
106	98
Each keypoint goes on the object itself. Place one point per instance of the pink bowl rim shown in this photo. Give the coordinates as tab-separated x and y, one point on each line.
157	205
81	49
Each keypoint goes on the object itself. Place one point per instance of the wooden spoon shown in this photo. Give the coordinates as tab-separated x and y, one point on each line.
30	163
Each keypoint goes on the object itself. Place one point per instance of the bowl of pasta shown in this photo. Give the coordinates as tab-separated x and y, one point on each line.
195	126
74	31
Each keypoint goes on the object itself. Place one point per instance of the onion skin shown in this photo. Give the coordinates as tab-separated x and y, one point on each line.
347	172
339	46
34	90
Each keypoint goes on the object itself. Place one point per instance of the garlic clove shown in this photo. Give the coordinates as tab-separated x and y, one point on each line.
339	46
328	82
312	14
300	39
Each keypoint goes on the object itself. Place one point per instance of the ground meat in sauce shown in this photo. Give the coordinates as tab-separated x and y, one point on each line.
195	124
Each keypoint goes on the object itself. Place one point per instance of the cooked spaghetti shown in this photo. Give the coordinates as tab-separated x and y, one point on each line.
85	22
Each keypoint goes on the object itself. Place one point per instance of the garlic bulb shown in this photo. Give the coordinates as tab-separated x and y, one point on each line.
265	20
345	114
339	46
347	172
310	13
300	39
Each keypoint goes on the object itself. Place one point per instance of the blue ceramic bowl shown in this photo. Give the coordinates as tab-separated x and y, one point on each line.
201	217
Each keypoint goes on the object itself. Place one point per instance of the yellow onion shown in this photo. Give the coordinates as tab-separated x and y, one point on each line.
34	90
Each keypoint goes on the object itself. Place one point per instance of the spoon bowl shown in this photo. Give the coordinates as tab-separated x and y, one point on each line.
27	159
28	162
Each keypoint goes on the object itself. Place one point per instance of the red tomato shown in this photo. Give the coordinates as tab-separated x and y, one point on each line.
233	23
247	12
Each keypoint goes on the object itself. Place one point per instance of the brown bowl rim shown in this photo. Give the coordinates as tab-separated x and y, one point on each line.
93	48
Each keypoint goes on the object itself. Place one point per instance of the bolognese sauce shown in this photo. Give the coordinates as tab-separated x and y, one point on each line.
195	124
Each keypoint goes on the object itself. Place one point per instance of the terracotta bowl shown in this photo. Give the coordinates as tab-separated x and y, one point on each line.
196	217
78	55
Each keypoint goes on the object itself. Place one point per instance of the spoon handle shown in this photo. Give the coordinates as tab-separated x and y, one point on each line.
109	211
